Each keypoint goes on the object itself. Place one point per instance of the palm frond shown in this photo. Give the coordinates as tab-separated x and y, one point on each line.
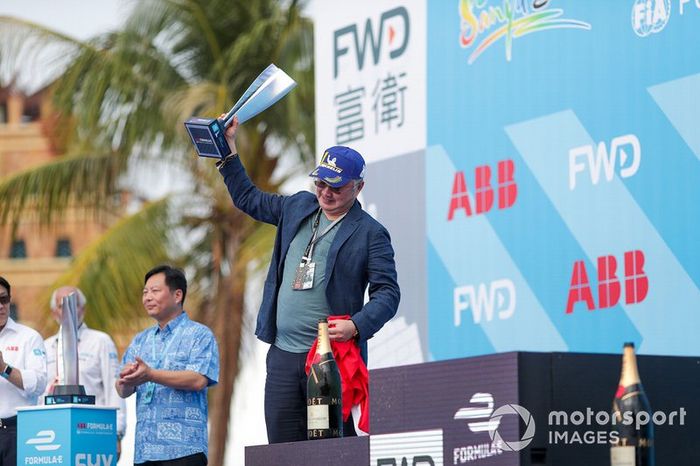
110	270
48	190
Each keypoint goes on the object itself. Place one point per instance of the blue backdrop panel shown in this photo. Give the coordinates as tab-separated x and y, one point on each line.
562	176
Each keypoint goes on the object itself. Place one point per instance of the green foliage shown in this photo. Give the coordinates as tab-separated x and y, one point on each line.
121	98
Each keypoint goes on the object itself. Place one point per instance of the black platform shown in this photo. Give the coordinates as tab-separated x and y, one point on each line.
413	411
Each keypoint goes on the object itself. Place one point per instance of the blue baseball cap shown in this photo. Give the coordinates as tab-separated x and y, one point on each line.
339	165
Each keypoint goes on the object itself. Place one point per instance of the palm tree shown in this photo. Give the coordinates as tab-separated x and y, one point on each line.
122	100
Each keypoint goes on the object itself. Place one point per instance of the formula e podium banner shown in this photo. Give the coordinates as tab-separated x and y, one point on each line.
68	434
536	162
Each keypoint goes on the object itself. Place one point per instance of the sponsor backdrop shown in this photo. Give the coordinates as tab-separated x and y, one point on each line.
536	162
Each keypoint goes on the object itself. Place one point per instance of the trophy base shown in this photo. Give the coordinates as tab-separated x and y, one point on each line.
69	394
69	399
207	135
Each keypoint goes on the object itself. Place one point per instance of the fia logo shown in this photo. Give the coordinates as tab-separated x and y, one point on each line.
474	413
609	288
43	441
601	158
394	22
650	16
484	300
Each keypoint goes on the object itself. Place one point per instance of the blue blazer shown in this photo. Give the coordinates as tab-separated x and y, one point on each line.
360	255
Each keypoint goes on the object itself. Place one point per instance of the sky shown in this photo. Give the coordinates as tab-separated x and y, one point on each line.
77	18
82	20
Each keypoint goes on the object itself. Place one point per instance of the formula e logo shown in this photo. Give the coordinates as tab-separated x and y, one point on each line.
499	295
473	413
650	16
394	22
43	441
601	158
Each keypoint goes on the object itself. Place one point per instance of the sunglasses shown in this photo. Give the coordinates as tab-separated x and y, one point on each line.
5	299
320	185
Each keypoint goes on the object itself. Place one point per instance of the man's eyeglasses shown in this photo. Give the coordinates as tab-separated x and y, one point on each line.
320	185
5	299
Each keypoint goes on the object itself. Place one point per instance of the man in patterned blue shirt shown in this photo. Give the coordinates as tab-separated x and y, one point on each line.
169	367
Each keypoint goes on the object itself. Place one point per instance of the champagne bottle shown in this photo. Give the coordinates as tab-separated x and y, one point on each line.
632	442
324	406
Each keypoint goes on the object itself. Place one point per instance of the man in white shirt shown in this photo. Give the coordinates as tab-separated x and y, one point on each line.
98	362
22	374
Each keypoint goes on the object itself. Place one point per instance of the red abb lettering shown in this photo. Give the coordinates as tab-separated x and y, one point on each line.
636	281
507	189
609	289
608	284
580	289
484	193
460	198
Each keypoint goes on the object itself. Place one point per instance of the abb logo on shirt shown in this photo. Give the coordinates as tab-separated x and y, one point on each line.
484	192
609	287
12	348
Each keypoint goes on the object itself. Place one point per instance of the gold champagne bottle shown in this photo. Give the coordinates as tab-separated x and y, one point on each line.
324	414
632	436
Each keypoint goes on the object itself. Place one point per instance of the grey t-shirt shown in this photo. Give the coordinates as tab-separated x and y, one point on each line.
298	311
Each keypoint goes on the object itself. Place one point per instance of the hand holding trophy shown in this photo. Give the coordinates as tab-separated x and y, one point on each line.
207	134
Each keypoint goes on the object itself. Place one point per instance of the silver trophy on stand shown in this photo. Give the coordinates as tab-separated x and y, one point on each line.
207	134
68	388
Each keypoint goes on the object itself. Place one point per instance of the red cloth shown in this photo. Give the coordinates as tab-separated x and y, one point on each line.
353	375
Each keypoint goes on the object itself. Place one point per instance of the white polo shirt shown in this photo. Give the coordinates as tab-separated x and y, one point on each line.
23	349
98	369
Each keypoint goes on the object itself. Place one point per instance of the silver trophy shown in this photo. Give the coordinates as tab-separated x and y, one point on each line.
207	134
68	389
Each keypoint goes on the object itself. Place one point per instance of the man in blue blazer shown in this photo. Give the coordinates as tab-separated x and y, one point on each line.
327	252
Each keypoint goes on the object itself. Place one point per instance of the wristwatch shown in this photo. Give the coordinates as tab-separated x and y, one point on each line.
220	164
6	373
356	333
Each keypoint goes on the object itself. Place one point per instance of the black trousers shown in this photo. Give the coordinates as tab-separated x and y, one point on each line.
198	459
8	446
285	398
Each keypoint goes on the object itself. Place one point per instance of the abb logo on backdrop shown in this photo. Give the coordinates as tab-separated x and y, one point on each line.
595	159
609	287
484	193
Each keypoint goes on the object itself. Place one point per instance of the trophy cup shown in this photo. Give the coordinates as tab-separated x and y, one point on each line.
207	134
68	389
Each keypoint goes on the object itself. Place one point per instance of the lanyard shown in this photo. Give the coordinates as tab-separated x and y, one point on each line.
308	253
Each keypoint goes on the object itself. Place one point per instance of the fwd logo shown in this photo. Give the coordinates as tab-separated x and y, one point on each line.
609	288
394	23
474	413
499	295
43	441
87	459
603	159
507	190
